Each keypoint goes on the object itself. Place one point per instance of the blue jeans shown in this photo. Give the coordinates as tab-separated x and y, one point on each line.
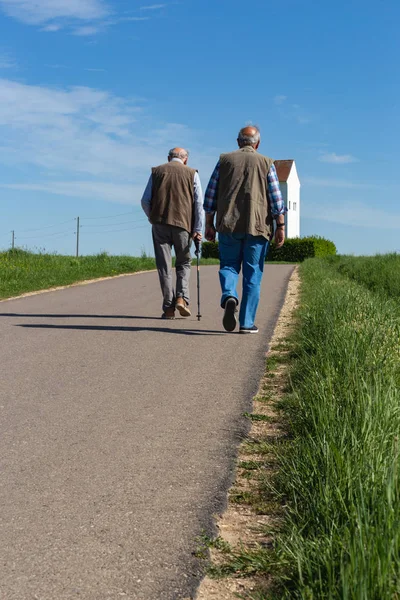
235	250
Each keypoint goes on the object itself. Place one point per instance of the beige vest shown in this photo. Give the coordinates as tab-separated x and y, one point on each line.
242	201
173	195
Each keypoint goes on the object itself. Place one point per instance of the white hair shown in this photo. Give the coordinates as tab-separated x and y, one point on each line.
182	154
249	140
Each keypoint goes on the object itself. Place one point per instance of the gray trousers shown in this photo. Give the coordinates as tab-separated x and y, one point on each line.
164	237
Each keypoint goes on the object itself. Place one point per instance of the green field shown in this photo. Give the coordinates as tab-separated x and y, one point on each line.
339	468
22	271
380	274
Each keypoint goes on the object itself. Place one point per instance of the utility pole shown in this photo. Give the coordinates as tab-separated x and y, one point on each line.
77	237
13	239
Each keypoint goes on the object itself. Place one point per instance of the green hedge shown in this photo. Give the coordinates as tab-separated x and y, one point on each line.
298	249
294	249
209	250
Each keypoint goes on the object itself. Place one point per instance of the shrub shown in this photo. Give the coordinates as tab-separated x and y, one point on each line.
294	250
298	249
210	250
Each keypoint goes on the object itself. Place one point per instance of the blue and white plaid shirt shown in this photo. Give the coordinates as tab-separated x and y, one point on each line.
274	193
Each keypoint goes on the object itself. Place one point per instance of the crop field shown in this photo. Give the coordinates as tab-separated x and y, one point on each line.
22	271
339	475
380	274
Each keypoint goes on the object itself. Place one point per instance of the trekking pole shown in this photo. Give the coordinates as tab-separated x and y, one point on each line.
197	244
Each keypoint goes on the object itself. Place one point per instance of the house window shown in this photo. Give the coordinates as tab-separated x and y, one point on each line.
290	205
294	205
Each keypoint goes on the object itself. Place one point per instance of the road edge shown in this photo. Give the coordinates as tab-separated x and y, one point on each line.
75	284
242	526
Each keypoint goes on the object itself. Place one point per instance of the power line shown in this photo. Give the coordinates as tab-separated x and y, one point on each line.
116	230
137	223
107	217
36	237
60	237
47	226
116	224
63	236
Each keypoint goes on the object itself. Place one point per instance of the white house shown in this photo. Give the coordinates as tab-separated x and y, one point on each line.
290	186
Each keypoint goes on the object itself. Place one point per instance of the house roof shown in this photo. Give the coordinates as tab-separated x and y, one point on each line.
283	168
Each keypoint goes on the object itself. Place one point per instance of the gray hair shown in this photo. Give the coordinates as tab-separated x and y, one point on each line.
182	154
249	140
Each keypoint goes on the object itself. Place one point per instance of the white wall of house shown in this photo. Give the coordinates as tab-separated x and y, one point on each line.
291	194
284	190
293	223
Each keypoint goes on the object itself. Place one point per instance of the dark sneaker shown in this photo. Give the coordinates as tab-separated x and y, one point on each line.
168	314
183	307
229	321
253	329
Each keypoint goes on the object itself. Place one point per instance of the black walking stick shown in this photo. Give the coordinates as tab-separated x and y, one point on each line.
197	244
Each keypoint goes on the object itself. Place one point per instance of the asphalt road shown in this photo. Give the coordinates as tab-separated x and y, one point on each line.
118	433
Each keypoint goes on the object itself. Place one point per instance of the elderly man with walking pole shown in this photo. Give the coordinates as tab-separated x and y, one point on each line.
244	194
173	202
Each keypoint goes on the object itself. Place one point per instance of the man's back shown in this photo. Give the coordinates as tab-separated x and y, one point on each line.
173	195
242	205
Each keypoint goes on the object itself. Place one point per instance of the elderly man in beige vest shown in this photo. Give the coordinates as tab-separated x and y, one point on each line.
244	193
173	202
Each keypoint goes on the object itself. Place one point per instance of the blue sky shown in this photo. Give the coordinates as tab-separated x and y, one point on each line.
93	93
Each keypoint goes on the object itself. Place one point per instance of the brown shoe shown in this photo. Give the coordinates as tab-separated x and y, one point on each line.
169	314
182	306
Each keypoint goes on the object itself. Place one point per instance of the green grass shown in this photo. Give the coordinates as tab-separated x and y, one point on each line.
380	274
22	271
207	261
339	474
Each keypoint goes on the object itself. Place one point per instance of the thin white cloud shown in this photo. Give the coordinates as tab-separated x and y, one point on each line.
303	120
129	19
362	215
112	22
337	159
280	99
57	66
293	112
153	7
83	133
121	193
37	12
78	129
83	18
87	30
7	62
52	28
